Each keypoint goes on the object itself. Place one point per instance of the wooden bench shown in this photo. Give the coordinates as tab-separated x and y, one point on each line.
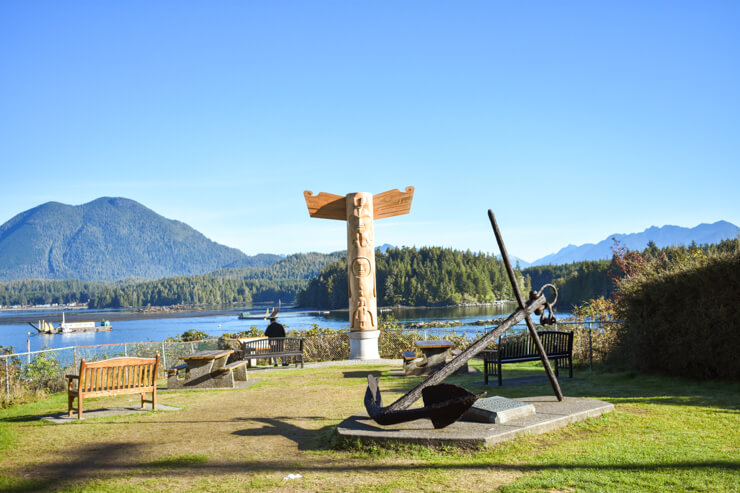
114	376
276	347
513	349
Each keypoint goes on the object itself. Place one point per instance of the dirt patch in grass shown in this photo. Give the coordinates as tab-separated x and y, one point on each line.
633	409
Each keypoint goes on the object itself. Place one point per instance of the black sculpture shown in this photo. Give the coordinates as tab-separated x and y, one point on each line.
444	403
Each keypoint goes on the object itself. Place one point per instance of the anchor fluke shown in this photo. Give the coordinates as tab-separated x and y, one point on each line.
443	405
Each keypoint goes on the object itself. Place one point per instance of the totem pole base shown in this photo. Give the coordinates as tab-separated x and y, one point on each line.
364	344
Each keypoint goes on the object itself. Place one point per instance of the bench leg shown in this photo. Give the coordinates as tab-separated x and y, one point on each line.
79	407
500	383
143	400
154	398
570	366
241	373
485	372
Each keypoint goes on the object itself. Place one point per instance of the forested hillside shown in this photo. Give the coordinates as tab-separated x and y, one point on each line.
40	292
576	282
297	266
423	277
109	239
280	281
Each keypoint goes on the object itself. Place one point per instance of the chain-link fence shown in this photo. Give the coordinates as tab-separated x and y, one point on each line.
30	374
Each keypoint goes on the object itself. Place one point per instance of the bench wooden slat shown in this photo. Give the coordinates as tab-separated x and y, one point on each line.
115	376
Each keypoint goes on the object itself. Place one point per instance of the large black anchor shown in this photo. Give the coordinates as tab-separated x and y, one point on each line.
445	403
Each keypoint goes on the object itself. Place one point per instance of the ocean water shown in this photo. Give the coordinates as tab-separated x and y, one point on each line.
137	328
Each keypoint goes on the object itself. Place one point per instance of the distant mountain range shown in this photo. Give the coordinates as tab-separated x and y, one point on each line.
109	239
116	238
662	237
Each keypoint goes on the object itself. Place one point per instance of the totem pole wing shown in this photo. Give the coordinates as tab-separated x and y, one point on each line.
392	203
326	205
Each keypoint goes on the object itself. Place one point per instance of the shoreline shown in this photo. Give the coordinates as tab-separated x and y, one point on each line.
82	314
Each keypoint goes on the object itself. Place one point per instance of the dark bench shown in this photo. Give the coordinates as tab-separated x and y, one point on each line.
276	347
115	376
520	347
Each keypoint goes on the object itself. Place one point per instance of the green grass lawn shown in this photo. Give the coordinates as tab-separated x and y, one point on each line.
664	435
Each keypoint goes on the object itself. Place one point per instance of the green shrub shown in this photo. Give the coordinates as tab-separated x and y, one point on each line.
682	316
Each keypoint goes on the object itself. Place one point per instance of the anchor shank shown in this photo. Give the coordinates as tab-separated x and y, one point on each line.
520	301
475	348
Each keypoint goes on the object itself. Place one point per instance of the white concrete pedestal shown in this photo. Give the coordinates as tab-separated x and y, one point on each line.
364	344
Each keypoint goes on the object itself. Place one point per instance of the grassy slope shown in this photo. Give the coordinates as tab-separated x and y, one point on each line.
665	435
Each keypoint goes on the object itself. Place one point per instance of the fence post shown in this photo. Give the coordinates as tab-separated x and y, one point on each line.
74	356
590	347
125	349
7	379
164	357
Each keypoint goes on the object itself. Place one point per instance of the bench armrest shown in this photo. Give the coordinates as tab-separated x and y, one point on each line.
70	379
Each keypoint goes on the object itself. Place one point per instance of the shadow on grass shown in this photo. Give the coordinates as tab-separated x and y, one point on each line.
362	374
304	438
108	462
23	418
624	387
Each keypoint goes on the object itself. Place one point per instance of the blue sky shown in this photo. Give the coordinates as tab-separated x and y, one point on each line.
571	120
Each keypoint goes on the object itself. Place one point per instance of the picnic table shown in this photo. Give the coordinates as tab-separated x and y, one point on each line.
207	369
435	355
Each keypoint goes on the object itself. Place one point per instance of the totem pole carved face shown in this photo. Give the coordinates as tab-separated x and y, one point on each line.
361	267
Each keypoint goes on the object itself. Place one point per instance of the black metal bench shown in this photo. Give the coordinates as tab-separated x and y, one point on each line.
276	347
520	347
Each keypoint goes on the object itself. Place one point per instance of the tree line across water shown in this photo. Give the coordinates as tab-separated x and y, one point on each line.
419	277
405	276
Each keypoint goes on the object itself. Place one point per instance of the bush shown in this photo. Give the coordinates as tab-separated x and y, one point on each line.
682	316
44	374
189	336
595	339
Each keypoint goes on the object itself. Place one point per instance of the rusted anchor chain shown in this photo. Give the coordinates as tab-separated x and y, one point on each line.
520	301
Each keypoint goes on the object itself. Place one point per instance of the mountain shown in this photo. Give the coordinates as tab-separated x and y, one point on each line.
662	237
384	247
109	239
523	264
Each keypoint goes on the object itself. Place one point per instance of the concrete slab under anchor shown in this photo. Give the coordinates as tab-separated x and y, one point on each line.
550	415
62	418
498	410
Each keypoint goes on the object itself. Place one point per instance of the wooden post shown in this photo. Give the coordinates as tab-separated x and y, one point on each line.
360	209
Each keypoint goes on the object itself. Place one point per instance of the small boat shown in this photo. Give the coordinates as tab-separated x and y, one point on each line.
268	314
249	316
65	327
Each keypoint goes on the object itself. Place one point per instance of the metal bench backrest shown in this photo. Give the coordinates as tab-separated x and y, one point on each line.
274	345
522	345
118	375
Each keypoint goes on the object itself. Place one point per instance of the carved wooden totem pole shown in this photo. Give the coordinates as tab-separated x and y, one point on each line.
360	210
